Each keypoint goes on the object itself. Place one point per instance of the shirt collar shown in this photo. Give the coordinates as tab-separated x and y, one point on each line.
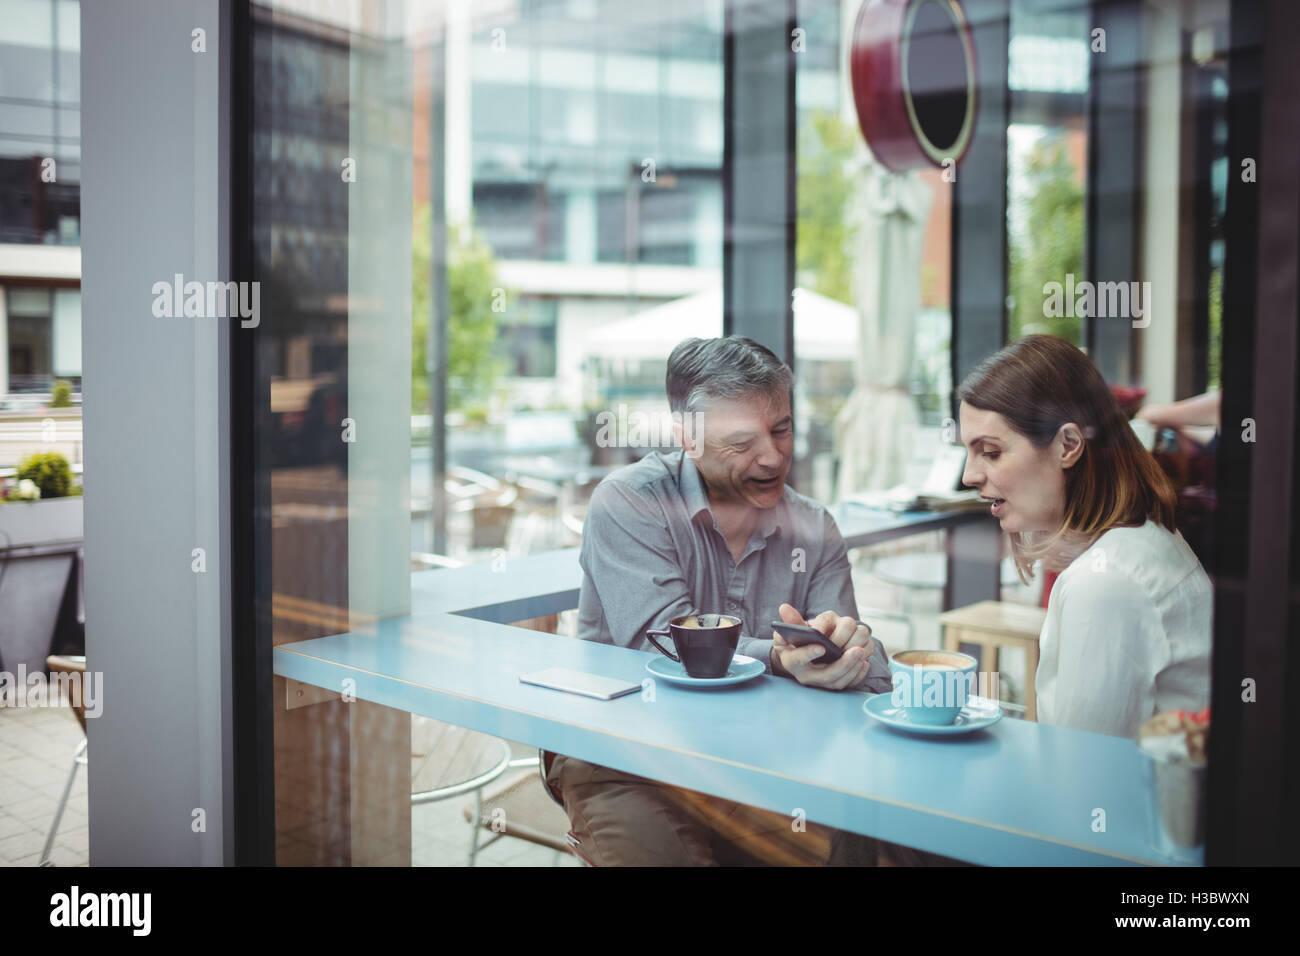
697	498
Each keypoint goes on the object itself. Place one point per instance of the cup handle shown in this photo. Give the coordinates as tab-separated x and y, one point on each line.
662	632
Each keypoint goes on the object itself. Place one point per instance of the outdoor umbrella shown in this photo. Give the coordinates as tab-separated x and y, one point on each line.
874	428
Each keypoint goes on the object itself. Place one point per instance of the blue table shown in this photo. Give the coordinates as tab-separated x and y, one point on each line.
1019	793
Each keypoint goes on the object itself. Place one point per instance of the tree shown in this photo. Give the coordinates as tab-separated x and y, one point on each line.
823	232
1051	245
472	293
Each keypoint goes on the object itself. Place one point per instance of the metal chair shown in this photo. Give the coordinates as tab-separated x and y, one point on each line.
67	665
520	808
474	762
525	811
458	761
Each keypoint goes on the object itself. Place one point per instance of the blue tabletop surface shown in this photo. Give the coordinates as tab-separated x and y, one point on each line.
1016	793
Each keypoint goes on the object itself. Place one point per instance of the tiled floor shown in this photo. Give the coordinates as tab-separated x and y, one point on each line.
36	748
440	836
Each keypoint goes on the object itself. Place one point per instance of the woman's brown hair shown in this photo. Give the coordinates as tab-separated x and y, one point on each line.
1039	384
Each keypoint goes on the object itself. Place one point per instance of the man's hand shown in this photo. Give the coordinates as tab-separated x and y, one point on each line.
800	662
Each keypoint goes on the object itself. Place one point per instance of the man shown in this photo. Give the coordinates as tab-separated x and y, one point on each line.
714	528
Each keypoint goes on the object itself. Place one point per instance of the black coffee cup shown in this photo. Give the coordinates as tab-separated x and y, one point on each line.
705	643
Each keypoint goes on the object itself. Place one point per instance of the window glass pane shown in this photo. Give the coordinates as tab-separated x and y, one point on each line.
23	300
1047	150
32	123
872	305
27	23
69	28
1045	225
543	304
31	339
67	333
530	228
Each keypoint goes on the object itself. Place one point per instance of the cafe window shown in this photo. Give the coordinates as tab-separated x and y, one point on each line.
872	313
583	201
1047	75
436	373
31	339
44	336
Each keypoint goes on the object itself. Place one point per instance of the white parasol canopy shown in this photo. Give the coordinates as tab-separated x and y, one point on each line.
874	429
825	329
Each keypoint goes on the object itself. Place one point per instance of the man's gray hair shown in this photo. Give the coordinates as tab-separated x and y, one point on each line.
703	369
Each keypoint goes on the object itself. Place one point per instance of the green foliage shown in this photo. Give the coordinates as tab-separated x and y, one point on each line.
50	472
61	396
823	261
1052	244
472	290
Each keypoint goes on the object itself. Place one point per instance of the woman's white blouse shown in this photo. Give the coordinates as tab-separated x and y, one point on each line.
1127	634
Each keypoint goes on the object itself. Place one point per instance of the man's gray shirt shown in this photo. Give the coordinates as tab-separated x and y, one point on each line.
652	551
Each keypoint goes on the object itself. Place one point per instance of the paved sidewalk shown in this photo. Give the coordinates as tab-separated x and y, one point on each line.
36	748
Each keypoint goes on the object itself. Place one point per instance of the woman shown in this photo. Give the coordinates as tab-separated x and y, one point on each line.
1127	633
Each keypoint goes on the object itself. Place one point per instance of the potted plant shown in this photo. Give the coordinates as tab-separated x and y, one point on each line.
40	535
41	505
61	395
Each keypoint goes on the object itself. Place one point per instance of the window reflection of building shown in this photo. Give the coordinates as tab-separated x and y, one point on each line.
593	169
300	137
40	199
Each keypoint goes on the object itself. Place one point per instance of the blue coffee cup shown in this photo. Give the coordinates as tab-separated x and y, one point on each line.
931	687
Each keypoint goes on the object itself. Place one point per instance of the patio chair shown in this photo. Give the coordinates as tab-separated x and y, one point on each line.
525	803
522	809
67	665
454	761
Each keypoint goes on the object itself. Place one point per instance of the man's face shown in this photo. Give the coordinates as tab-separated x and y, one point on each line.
747	448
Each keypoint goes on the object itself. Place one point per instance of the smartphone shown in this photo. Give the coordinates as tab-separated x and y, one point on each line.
577	682
801	635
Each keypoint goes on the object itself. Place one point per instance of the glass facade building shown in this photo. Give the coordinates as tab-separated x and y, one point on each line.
40	192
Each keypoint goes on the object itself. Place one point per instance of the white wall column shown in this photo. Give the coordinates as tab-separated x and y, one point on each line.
155	180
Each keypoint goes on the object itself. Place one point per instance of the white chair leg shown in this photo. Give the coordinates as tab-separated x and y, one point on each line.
478	820
77	759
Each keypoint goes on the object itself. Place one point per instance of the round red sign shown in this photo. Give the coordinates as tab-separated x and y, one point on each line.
912	65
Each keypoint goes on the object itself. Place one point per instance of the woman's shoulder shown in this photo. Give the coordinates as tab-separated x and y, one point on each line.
1148	559
1097	583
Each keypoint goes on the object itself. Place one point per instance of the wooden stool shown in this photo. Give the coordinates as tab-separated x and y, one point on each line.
996	624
